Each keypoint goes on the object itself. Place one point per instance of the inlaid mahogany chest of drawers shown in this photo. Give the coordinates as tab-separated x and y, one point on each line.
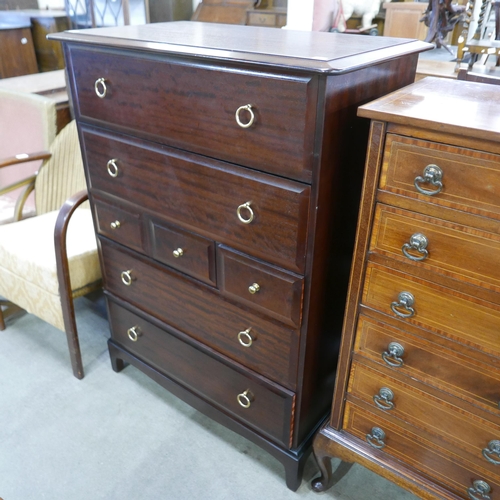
224	166
418	388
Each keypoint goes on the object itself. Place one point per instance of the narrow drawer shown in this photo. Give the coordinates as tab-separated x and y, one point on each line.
455	427
194	108
420	453
188	252
470	179
450	249
200	312
267	408
260	286
257	213
119	224
433	364
436	308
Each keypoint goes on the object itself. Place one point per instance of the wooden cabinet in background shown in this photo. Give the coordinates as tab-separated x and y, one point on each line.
224	166
402	20
417	395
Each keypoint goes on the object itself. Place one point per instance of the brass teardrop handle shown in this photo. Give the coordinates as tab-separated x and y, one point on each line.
248	109
178	253
492	449
244	338
384	399
127	277
134	333
100	88
393	355
418	243
246	209
116	224
112	167
376	438
432	175
245	398
481	488
405	302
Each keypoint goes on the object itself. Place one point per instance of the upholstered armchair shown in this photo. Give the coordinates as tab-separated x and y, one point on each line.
49	259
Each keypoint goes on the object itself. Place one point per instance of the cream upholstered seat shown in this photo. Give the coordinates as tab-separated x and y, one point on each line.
47	260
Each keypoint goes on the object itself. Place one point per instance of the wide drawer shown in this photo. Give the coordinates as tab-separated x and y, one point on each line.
436	308
265	407
436	365
257	213
120	224
447	248
188	252
418	452
470	179
456	427
200	312
194	108
260	286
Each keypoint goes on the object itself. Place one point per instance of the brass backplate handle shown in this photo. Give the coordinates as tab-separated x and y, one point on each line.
393	355
376	438
432	175
384	399
403	307
492	449
418	243
481	488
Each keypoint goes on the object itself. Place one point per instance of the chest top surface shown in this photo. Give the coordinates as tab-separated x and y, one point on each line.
465	108
312	51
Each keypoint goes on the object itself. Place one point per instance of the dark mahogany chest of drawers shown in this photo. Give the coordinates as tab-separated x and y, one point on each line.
224	165
418	388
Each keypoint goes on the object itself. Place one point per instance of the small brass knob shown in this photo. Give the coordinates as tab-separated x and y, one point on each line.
178	253
254	288
245	398
244	338
100	88
115	225
134	333
112	167
127	277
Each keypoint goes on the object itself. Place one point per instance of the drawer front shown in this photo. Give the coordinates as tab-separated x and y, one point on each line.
270	408
458	429
436	308
433	364
260	286
450	249
119	224
189	253
199	311
262	19
470	179
206	196
452	471
194	108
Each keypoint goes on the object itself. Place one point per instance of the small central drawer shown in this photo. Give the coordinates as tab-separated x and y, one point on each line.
200	312
197	108
433	307
257	213
262	406
260	286
446	175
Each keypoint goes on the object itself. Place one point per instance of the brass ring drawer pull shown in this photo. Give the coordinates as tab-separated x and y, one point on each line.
432	175
245	206
493	449
112	167
253	289
479	487
100	88
384	399
245	398
393	355
134	333
418	243
244	338
247	108
116	224
405	301
376	438
178	253
127	277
